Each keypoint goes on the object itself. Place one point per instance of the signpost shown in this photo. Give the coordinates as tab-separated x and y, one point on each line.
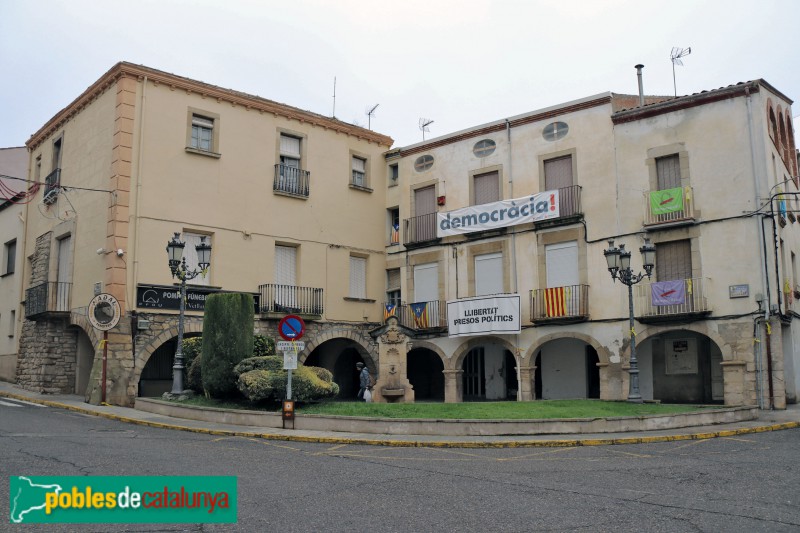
291	328
104	313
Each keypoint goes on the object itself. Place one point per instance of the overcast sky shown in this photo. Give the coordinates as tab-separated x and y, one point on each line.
459	63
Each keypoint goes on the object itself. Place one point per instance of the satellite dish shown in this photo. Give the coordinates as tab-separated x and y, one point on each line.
370	112
675	56
423	126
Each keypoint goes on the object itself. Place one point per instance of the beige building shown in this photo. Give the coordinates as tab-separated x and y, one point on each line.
13	164
286	198
487	244
693	174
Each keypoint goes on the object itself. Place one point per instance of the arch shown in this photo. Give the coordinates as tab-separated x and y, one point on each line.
457	360
792	163
166	334
339	354
418	343
603	353
773	122
364	345
645	335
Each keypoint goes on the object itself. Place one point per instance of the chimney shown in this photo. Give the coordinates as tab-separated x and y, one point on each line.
641	90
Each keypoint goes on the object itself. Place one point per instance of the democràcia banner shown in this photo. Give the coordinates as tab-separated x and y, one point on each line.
540	206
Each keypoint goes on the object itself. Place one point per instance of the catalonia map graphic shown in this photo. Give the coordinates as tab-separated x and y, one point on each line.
28	497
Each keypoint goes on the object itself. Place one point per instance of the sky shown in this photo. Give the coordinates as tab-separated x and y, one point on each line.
458	63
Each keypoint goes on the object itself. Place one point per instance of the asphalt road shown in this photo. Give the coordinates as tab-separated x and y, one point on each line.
747	483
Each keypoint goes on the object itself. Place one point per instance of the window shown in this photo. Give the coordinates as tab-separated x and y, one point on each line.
394	226
423	163
359	174
488	274
558	173
11	323
484	148
190	254
285	278
37	172
63	273
423	225
555	131
290	151
57	145
9	256
668	172
394	174
358	277
202	133
674	260
561	264
486	188
289	176
393	295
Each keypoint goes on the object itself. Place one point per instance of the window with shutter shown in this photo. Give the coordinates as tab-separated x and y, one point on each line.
674	260
190	254
393	295
558	173
486	188
488	274
286	265
668	172
358	277
359	174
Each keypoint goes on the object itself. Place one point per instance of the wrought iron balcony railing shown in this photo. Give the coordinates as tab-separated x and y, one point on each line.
420	229
661	299
570	302
420	315
291	180
669	206
48	297
52	185
291	299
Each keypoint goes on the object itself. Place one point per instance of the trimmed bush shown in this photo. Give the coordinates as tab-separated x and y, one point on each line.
263	345
263	379
194	375
227	340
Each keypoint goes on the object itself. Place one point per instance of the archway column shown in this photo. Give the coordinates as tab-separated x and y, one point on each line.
527	392
453	386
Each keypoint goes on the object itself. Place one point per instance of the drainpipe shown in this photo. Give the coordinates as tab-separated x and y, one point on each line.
762	241
514	254
134	223
639	68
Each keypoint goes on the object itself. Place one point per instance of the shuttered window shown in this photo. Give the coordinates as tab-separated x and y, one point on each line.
290	146
286	265
558	173
393	286
358	277
486	188
674	260
668	172
426	282
359	172
190	254
425	201
488	274
561	261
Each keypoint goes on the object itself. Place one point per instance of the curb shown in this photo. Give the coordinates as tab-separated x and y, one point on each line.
565	443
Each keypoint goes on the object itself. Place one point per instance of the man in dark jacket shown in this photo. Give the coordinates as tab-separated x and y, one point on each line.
363	380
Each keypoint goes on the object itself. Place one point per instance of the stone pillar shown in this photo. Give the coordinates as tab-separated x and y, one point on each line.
119	368
733	373
392	384
453	386
527	392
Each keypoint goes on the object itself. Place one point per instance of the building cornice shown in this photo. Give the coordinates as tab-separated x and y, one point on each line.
174	82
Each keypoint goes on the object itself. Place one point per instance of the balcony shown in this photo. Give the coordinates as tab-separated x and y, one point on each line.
563	305
291	181
671	301
280	300
420	230
48	297
569	208
422	316
52	185
673	207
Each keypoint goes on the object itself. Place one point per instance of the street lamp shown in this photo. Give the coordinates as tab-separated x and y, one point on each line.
177	264
619	265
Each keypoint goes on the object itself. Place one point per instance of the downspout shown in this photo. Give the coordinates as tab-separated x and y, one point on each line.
514	257
763	246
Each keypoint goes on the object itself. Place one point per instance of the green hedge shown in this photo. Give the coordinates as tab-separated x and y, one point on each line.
227	339
263	379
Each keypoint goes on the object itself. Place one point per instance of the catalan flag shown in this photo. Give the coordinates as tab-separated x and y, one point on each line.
420	311
395	235
389	310
555	302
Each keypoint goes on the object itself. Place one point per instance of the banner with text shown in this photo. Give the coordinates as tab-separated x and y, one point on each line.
534	208
484	315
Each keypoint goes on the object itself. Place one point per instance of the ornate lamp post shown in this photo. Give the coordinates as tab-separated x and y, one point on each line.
619	265
177	264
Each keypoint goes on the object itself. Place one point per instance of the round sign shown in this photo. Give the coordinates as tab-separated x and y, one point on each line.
104	312
291	328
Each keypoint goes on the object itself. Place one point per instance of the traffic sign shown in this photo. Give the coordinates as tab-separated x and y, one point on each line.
289	346
291	328
289	361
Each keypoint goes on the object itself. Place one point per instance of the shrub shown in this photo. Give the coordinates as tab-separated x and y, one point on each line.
227	339
263	345
191	349
263	379
194	375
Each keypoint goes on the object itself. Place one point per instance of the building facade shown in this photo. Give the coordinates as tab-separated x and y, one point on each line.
467	267
281	194
710	179
13	164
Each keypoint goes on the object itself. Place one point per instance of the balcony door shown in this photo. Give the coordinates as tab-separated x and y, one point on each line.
285	277
488	274
64	274
424	225
561	263
426	289
674	262
558	176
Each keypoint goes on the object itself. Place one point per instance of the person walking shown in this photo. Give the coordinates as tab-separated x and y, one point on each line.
364	380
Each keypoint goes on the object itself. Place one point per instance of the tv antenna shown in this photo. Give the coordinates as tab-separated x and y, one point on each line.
334	97
370	111
423	126
675	56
